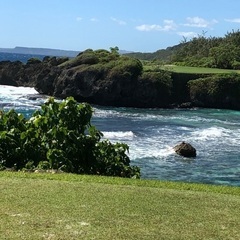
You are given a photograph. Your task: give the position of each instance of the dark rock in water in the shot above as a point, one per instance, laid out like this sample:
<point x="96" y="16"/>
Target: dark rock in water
<point x="185" y="105"/>
<point x="185" y="149"/>
<point x="35" y="97"/>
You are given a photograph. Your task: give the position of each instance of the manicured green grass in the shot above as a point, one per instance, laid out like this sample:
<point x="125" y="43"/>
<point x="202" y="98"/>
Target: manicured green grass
<point x="185" y="69"/>
<point x="68" y="206"/>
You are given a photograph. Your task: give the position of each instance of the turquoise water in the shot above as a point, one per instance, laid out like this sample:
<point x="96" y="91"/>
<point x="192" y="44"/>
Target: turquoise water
<point x="151" y="134"/>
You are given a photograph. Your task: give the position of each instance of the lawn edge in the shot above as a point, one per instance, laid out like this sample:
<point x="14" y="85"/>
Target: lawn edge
<point x="175" y="185"/>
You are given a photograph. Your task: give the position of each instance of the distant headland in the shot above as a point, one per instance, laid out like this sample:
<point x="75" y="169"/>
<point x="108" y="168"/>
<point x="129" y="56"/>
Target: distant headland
<point x="46" y="51"/>
<point x="40" y="51"/>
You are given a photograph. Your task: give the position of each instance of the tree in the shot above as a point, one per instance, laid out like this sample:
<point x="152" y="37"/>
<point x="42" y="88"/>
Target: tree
<point x="225" y="55"/>
<point x="114" y="50"/>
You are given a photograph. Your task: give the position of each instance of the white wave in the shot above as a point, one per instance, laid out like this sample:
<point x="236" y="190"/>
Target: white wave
<point x="119" y="135"/>
<point x="210" y="133"/>
<point x="184" y="128"/>
<point x="19" y="98"/>
<point x="98" y="112"/>
<point x="154" y="151"/>
<point x="164" y="152"/>
<point x="16" y="92"/>
<point x="160" y="115"/>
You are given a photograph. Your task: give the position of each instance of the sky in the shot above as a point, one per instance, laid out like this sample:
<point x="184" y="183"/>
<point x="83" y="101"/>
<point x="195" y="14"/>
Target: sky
<point x="132" y="25"/>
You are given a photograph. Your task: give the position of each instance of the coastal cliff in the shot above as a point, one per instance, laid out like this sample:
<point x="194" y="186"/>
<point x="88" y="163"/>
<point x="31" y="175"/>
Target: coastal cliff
<point x="98" y="77"/>
<point x="107" y="78"/>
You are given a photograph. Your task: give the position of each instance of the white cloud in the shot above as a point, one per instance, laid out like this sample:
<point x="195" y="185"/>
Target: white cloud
<point x="147" y="28"/>
<point x="120" y="22"/>
<point x="234" y="20"/>
<point x="199" y="22"/>
<point x="188" y="34"/>
<point x="94" y="20"/>
<point x="79" y="19"/>
<point x="168" y="26"/>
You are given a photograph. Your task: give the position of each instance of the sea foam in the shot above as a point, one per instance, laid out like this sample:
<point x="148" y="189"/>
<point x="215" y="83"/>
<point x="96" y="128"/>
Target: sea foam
<point x="210" y="133"/>
<point x="118" y="135"/>
<point x="19" y="98"/>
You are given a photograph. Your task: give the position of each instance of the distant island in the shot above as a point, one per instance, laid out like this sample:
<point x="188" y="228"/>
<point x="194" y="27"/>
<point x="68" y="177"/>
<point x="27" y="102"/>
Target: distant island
<point x="40" y="51"/>
<point x="46" y="51"/>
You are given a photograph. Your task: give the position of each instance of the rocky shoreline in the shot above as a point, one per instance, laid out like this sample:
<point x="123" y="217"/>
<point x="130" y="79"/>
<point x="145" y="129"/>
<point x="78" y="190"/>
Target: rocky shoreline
<point x="108" y="79"/>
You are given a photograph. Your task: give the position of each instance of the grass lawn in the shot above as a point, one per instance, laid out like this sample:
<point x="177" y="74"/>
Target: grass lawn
<point x="185" y="69"/>
<point x="66" y="206"/>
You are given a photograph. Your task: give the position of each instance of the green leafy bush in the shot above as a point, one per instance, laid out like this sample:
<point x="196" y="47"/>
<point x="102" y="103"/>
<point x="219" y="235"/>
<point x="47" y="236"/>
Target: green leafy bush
<point x="33" y="61"/>
<point x="126" y="67"/>
<point x="60" y="136"/>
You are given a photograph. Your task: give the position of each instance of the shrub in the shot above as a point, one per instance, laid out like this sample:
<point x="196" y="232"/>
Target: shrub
<point x="126" y="67"/>
<point x="236" y="65"/>
<point x="60" y="136"/>
<point x="33" y="61"/>
<point x="87" y="57"/>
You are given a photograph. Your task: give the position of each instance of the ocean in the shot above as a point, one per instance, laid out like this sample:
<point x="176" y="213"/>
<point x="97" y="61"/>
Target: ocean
<point x="18" y="57"/>
<point x="152" y="133"/>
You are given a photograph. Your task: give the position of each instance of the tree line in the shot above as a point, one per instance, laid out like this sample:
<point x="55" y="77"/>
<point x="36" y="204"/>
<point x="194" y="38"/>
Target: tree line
<point x="200" y="51"/>
<point x="214" y="52"/>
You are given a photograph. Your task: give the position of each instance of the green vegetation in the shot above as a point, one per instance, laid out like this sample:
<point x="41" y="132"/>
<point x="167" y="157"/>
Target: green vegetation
<point x="155" y="67"/>
<point x="33" y="61"/>
<point x="197" y="70"/>
<point x="67" y="206"/>
<point x="195" y="84"/>
<point x="108" y="64"/>
<point x="60" y="136"/>
<point x="200" y="51"/>
<point x="221" y="52"/>
<point x="160" y="55"/>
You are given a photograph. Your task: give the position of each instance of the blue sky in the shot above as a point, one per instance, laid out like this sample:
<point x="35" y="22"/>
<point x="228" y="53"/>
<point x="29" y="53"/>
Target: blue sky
<point x="135" y="25"/>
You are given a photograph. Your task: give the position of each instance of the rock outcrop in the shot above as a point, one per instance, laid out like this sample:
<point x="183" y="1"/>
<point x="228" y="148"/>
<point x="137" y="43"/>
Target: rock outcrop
<point x="98" y="77"/>
<point x="185" y="149"/>
<point x="107" y="78"/>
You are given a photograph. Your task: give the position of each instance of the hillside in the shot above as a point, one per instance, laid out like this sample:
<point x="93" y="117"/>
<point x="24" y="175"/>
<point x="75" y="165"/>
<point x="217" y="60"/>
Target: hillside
<point x="161" y="54"/>
<point x="201" y="51"/>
